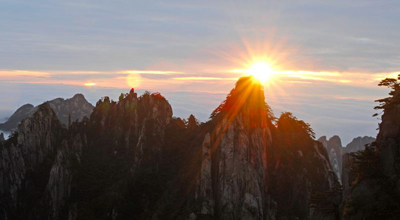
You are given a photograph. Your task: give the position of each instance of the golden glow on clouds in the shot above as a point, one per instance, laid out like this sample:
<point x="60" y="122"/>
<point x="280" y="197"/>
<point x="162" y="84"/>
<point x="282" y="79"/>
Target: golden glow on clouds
<point x="89" y="84"/>
<point x="193" y="81"/>
<point x="133" y="80"/>
<point x="159" y="72"/>
<point x="202" y="78"/>
<point x="23" y="73"/>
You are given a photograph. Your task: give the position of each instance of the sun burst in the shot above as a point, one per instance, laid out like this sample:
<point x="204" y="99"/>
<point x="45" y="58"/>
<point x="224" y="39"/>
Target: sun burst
<point x="261" y="70"/>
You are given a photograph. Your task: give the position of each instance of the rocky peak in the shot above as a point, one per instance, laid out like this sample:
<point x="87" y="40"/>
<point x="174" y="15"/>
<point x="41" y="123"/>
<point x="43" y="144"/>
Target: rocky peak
<point x="79" y="96"/>
<point x="357" y="144"/>
<point x="334" y="149"/>
<point x="21" y="113"/>
<point x="232" y="182"/>
<point x="66" y="110"/>
<point x="247" y="98"/>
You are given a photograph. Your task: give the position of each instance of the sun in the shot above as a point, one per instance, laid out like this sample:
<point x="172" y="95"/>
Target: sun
<point x="262" y="71"/>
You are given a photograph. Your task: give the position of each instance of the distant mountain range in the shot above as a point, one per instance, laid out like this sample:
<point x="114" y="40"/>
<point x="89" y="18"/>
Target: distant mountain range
<point x="73" y="109"/>
<point x="335" y="149"/>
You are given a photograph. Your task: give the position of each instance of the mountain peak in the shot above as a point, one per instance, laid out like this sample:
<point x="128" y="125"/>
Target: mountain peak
<point x="78" y="96"/>
<point x="247" y="98"/>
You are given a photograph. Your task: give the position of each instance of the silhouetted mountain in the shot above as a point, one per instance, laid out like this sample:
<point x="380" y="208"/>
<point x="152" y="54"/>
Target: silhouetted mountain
<point x="72" y="109"/>
<point x="132" y="160"/>
<point x="357" y="144"/>
<point x="21" y="113"/>
<point x="336" y="151"/>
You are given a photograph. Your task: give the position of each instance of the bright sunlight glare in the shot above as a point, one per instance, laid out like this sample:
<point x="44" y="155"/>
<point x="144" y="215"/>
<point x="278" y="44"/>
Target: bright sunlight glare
<point x="261" y="71"/>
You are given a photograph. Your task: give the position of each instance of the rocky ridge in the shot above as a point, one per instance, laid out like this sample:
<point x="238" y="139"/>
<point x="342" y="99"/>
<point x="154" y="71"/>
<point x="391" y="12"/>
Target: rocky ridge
<point x="66" y="110"/>
<point x="132" y="159"/>
<point x="357" y="144"/>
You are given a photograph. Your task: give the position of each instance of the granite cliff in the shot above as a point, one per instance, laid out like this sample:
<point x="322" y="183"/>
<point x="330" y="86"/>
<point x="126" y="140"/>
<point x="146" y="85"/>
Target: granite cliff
<point x="371" y="177"/>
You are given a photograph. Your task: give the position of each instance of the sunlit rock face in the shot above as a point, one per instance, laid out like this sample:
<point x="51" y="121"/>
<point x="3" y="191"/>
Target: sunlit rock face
<point x="232" y="181"/>
<point x="334" y="148"/>
<point x="66" y="110"/>
<point x="259" y="171"/>
<point x="233" y="177"/>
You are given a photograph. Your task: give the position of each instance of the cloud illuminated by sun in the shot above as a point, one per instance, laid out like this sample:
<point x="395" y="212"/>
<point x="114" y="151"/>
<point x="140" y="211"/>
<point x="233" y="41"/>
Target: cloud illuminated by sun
<point x="89" y="84"/>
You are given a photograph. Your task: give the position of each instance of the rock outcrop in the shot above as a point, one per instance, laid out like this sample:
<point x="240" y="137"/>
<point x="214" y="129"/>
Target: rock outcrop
<point x="233" y="178"/>
<point x="25" y="157"/>
<point x="66" y="110"/>
<point x="334" y="148"/>
<point x="374" y="192"/>
<point x="388" y="139"/>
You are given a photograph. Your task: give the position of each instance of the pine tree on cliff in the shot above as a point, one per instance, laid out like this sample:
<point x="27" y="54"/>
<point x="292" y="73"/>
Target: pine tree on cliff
<point x="247" y="96"/>
<point x="394" y="85"/>
<point x="192" y="122"/>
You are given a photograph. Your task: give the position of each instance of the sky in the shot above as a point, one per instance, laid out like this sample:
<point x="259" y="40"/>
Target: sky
<point x="327" y="56"/>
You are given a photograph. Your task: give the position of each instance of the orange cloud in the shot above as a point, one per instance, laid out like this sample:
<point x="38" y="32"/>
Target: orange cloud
<point x="89" y="84"/>
<point x="194" y="81"/>
<point x="160" y="72"/>
<point x="203" y="78"/>
<point x="22" y="73"/>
